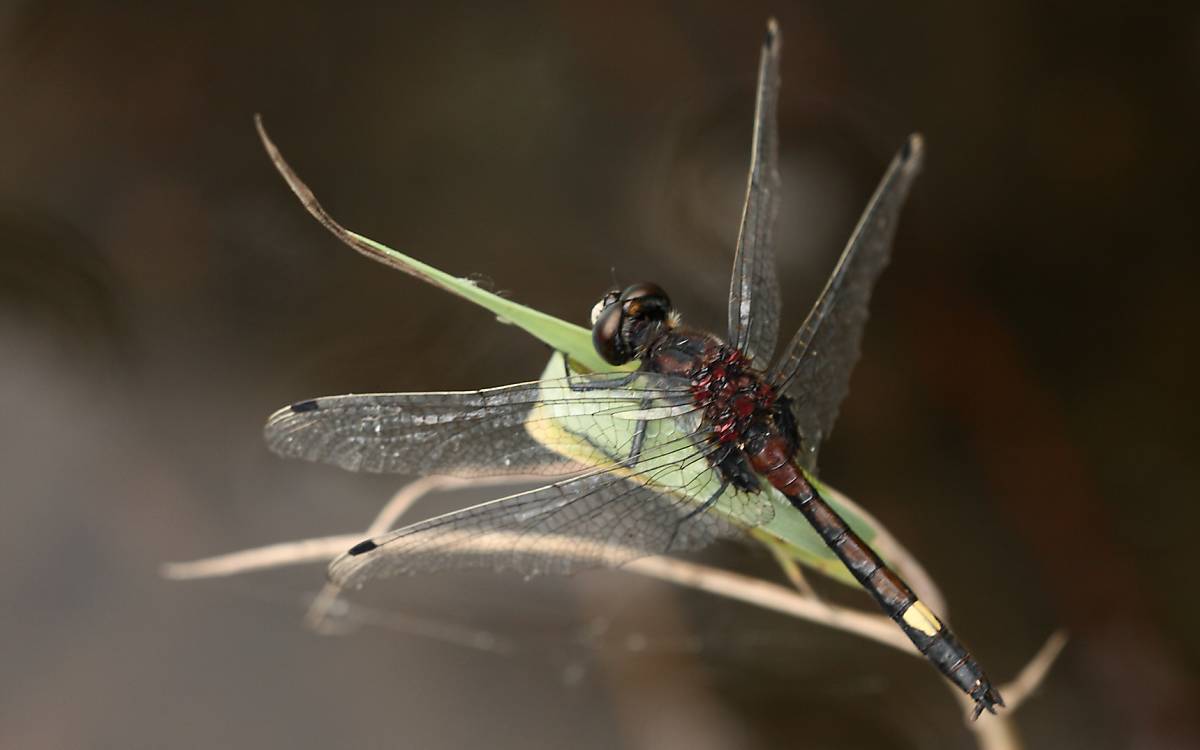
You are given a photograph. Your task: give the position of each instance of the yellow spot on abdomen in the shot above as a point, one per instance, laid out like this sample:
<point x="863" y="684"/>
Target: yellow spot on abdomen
<point x="919" y="617"/>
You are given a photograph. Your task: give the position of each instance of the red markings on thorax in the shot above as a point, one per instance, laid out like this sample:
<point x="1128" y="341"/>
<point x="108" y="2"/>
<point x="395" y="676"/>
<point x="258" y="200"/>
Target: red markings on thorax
<point x="732" y="394"/>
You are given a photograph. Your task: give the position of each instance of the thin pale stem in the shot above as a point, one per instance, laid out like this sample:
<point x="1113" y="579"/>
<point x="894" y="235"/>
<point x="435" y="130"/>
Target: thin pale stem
<point x="890" y="549"/>
<point x="792" y="570"/>
<point x="320" y="549"/>
<point x="319" y="615"/>
<point x="992" y="733"/>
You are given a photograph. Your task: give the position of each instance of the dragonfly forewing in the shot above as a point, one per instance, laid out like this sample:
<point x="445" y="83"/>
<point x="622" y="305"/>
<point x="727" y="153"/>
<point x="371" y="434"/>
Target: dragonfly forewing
<point x="462" y="433"/>
<point x="465" y="434"/>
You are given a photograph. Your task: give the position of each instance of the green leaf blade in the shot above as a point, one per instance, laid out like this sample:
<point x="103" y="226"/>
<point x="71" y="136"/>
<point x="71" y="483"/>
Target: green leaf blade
<point x="558" y="334"/>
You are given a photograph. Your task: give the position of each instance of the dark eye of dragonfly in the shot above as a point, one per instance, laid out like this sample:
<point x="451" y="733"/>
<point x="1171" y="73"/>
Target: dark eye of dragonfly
<point x="618" y="320"/>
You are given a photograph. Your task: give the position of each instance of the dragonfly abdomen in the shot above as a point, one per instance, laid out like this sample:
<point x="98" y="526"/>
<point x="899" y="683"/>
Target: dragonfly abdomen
<point x="930" y="635"/>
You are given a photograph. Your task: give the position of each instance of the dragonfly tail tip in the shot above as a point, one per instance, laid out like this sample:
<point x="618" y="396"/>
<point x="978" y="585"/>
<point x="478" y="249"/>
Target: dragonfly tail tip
<point x="987" y="698"/>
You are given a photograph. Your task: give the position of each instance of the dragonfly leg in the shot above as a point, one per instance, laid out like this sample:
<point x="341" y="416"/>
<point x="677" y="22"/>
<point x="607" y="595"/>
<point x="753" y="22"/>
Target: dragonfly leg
<point x="710" y="502"/>
<point x="602" y="386"/>
<point x="639" y="436"/>
<point x="635" y="445"/>
<point x="735" y="468"/>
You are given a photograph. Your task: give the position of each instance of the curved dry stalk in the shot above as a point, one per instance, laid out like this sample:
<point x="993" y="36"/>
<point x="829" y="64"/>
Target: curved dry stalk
<point x="993" y="733"/>
<point x="681" y="572"/>
<point x="321" y="611"/>
<point x="905" y="563"/>
<point x="318" y="617"/>
<point x="1002" y="735"/>
<point x="1031" y="676"/>
<point x="722" y="583"/>
<point x="791" y="569"/>
<point x="319" y="549"/>
<point x="410" y="493"/>
<point x="771" y="596"/>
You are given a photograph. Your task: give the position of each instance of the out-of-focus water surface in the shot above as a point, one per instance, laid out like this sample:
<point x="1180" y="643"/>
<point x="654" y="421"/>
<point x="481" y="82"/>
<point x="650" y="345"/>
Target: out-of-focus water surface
<point x="1023" y="418"/>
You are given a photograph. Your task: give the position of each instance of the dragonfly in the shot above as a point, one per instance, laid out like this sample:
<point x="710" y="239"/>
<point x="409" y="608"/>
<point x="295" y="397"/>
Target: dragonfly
<point x="675" y="445"/>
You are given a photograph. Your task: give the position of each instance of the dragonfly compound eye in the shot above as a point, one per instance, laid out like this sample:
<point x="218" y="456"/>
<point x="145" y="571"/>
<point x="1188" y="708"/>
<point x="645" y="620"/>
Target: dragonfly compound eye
<point x="608" y="335"/>
<point x="646" y="301"/>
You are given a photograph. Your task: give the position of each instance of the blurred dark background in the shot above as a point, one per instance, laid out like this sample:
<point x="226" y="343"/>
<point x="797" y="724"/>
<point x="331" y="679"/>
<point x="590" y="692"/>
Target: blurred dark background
<point x="1023" y="417"/>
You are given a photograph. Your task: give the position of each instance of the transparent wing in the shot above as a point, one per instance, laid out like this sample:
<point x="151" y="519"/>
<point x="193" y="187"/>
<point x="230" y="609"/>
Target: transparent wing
<point x="815" y="368"/>
<point x="754" y="288"/>
<point x="516" y="429"/>
<point x="600" y="519"/>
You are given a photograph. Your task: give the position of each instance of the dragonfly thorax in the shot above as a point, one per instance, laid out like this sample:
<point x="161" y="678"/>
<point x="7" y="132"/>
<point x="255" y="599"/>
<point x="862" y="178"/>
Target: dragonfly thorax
<point x="744" y="415"/>
<point x="733" y="395"/>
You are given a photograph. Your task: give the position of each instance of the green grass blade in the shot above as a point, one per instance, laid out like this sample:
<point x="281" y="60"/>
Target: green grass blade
<point x="559" y="335"/>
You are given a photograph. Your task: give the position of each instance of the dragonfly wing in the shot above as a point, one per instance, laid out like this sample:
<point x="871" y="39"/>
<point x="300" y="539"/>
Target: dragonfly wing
<point x="489" y="432"/>
<point x="815" y="368"/>
<point x="600" y="519"/>
<point x="754" y="288"/>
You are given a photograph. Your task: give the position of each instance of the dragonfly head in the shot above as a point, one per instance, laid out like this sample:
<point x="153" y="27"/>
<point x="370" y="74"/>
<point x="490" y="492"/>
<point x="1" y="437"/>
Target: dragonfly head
<point x="624" y="322"/>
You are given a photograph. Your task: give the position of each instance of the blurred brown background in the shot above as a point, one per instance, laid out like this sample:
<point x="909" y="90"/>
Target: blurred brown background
<point x="1023" y="417"/>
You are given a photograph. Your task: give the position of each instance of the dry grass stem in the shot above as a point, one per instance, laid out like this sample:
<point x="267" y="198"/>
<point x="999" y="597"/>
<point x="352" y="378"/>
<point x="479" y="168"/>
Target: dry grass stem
<point x="992" y="732"/>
